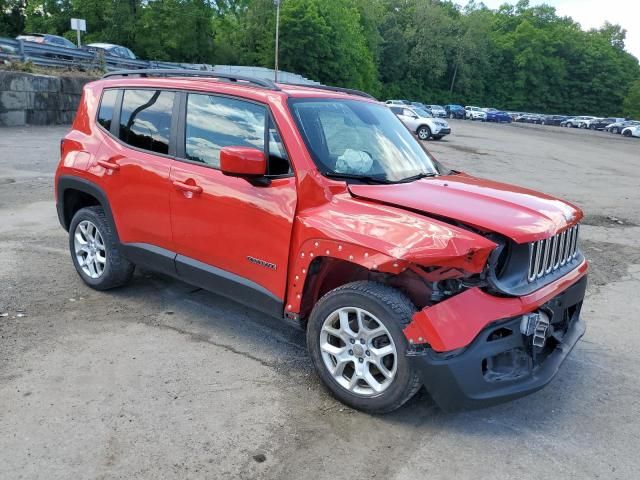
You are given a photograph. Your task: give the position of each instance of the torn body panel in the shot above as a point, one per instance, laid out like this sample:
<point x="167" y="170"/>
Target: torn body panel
<point x="395" y="239"/>
<point x="454" y="323"/>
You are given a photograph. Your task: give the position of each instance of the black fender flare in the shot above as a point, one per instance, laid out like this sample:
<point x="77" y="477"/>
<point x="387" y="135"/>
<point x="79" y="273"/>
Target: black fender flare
<point x="66" y="183"/>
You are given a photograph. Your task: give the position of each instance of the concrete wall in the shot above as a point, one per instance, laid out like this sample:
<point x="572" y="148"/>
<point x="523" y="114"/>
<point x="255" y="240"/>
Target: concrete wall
<point x="28" y="99"/>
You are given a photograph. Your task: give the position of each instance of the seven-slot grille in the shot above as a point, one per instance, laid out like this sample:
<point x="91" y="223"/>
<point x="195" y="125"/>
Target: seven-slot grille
<point x="546" y="256"/>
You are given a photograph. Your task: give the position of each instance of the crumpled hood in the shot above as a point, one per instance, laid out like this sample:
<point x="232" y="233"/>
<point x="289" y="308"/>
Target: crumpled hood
<point x="518" y="213"/>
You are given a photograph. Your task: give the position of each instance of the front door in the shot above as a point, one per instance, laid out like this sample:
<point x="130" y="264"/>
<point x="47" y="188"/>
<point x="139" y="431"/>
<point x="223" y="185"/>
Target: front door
<point x="232" y="236"/>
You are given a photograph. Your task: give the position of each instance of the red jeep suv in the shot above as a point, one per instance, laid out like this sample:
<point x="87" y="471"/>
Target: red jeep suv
<point x="316" y="205"/>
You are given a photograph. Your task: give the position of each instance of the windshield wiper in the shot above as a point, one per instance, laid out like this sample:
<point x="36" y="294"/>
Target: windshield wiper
<point x="418" y="176"/>
<point x="363" y="178"/>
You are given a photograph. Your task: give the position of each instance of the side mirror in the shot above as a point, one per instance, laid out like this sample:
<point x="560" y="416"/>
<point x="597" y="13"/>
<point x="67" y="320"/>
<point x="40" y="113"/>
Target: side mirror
<point x="242" y="162"/>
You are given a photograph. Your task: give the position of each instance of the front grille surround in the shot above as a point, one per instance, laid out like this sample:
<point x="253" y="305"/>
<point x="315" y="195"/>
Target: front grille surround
<point x="549" y="254"/>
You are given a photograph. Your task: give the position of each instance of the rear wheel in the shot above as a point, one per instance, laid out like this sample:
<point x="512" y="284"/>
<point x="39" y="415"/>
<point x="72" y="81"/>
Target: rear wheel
<point x="424" y="132"/>
<point x="451" y="115"/>
<point x="569" y="125"/>
<point x="626" y="133"/>
<point x="615" y="130"/>
<point x="95" y="251"/>
<point x="592" y="127"/>
<point x="355" y="340"/>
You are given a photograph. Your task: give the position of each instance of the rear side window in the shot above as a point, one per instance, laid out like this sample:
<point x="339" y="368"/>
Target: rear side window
<point x="107" y="105"/>
<point x="215" y="122"/>
<point x="145" y="119"/>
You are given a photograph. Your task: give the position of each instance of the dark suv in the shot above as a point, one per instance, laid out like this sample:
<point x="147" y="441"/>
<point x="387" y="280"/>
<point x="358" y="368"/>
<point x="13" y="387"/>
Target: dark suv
<point x="317" y="205"/>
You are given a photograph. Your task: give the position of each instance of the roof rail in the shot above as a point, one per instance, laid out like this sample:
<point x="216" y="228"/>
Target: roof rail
<point x="149" y="72"/>
<point x="350" y="91"/>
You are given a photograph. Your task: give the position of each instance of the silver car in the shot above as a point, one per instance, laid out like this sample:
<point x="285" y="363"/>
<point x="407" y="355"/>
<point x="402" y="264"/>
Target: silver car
<point x="421" y="122"/>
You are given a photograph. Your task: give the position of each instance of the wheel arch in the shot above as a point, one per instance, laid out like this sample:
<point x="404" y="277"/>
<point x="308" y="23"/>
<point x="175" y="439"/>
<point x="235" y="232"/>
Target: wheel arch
<point x="328" y="264"/>
<point x="75" y="193"/>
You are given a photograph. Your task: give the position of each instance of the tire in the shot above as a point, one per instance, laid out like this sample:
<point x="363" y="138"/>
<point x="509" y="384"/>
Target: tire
<point x="626" y="133"/>
<point x="115" y="270"/>
<point x="380" y="305"/>
<point x="542" y="122"/>
<point x="592" y="127"/>
<point x="615" y="130"/>
<point x="582" y="125"/>
<point x="569" y="125"/>
<point x="451" y="115"/>
<point x="423" y="132"/>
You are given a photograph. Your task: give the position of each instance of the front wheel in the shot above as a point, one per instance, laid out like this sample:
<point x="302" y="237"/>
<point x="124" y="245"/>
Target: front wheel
<point x="451" y="115"/>
<point x="358" y="348"/>
<point x="615" y="130"/>
<point x="424" y="132"/>
<point x="626" y="133"/>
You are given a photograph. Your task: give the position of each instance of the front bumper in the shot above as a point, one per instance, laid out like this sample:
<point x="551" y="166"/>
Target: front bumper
<point x="501" y="363"/>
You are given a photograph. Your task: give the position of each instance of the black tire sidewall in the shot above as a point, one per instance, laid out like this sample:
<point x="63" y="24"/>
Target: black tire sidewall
<point x="395" y="394"/>
<point x="91" y="214"/>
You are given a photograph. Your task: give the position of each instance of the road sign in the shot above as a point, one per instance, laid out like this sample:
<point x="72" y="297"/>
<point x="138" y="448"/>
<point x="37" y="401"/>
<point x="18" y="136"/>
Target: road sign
<point x="79" y="24"/>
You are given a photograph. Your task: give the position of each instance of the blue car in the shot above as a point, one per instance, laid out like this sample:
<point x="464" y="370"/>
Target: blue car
<point x="454" y="111"/>
<point x="498" y="116"/>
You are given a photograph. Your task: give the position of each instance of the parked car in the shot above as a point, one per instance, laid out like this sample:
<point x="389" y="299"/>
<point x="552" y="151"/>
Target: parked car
<point x="437" y="111"/>
<point x="421" y="122"/>
<point x="602" y="123"/>
<point x="398" y="102"/>
<point x="46" y="39"/>
<point x="498" y="116"/>
<point x="474" y="113"/>
<point x="394" y="265"/>
<point x="617" y="127"/>
<point x="631" y="131"/>
<point x="534" y="118"/>
<point x="554" y="120"/>
<point x="454" y="111"/>
<point x="420" y="105"/>
<point x="576" y="122"/>
<point x="111" y="49"/>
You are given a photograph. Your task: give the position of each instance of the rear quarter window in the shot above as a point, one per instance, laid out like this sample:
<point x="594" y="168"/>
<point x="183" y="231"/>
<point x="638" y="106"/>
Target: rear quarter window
<point x="107" y="106"/>
<point x="145" y="119"/>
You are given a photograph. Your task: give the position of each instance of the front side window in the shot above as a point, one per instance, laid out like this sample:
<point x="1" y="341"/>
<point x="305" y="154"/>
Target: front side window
<point x="107" y="105"/>
<point x="145" y="119"/>
<point x="215" y="122"/>
<point x="360" y="139"/>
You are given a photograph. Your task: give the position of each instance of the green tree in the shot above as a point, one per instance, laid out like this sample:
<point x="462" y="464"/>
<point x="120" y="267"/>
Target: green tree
<point x="632" y="101"/>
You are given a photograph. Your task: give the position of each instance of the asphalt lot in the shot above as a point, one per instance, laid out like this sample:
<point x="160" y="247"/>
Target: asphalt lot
<point x="160" y="380"/>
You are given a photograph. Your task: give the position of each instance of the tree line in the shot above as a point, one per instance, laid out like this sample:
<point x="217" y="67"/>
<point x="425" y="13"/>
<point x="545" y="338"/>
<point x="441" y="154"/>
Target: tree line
<point x="517" y="57"/>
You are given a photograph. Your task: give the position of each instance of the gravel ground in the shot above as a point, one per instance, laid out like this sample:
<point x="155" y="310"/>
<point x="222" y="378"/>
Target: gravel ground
<point x="161" y="380"/>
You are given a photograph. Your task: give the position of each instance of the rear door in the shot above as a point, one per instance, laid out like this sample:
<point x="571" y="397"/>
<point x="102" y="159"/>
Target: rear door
<point x="409" y="119"/>
<point x="134" y="162"/>
<point x="231" y="236"/>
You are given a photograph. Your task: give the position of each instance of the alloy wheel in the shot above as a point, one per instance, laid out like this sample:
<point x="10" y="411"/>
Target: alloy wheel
<point x="90" y="250"/>
<point x="358" y="351"/>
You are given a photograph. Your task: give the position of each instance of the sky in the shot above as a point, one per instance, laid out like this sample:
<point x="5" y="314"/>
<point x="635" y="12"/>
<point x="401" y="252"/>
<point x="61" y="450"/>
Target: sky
<point x="593" y="13"/>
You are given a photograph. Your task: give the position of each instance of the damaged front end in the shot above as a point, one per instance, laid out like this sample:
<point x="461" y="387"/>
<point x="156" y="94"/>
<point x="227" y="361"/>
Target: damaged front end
<point x="501" y="334"/>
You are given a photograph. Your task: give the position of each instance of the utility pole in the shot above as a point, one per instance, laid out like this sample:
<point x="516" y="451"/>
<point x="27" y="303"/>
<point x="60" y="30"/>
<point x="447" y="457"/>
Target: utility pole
<point x="275" y="78"/>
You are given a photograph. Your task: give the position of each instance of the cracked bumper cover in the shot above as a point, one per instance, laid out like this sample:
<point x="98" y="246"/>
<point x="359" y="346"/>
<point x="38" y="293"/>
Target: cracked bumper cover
<point x="457" y="333"/>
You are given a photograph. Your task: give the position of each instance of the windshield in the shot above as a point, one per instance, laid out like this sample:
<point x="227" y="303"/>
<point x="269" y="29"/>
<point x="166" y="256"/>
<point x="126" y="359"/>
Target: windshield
<point x="358" y="139"/>
<point x="422" y="113"/>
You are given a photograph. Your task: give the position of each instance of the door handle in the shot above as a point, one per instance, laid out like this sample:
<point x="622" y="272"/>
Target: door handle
<point x="108" y="165"/>
<point x="186" y="187"/>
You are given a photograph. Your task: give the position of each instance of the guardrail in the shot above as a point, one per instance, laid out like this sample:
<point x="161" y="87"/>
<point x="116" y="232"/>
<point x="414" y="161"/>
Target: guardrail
<point x="52" y="56"/>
